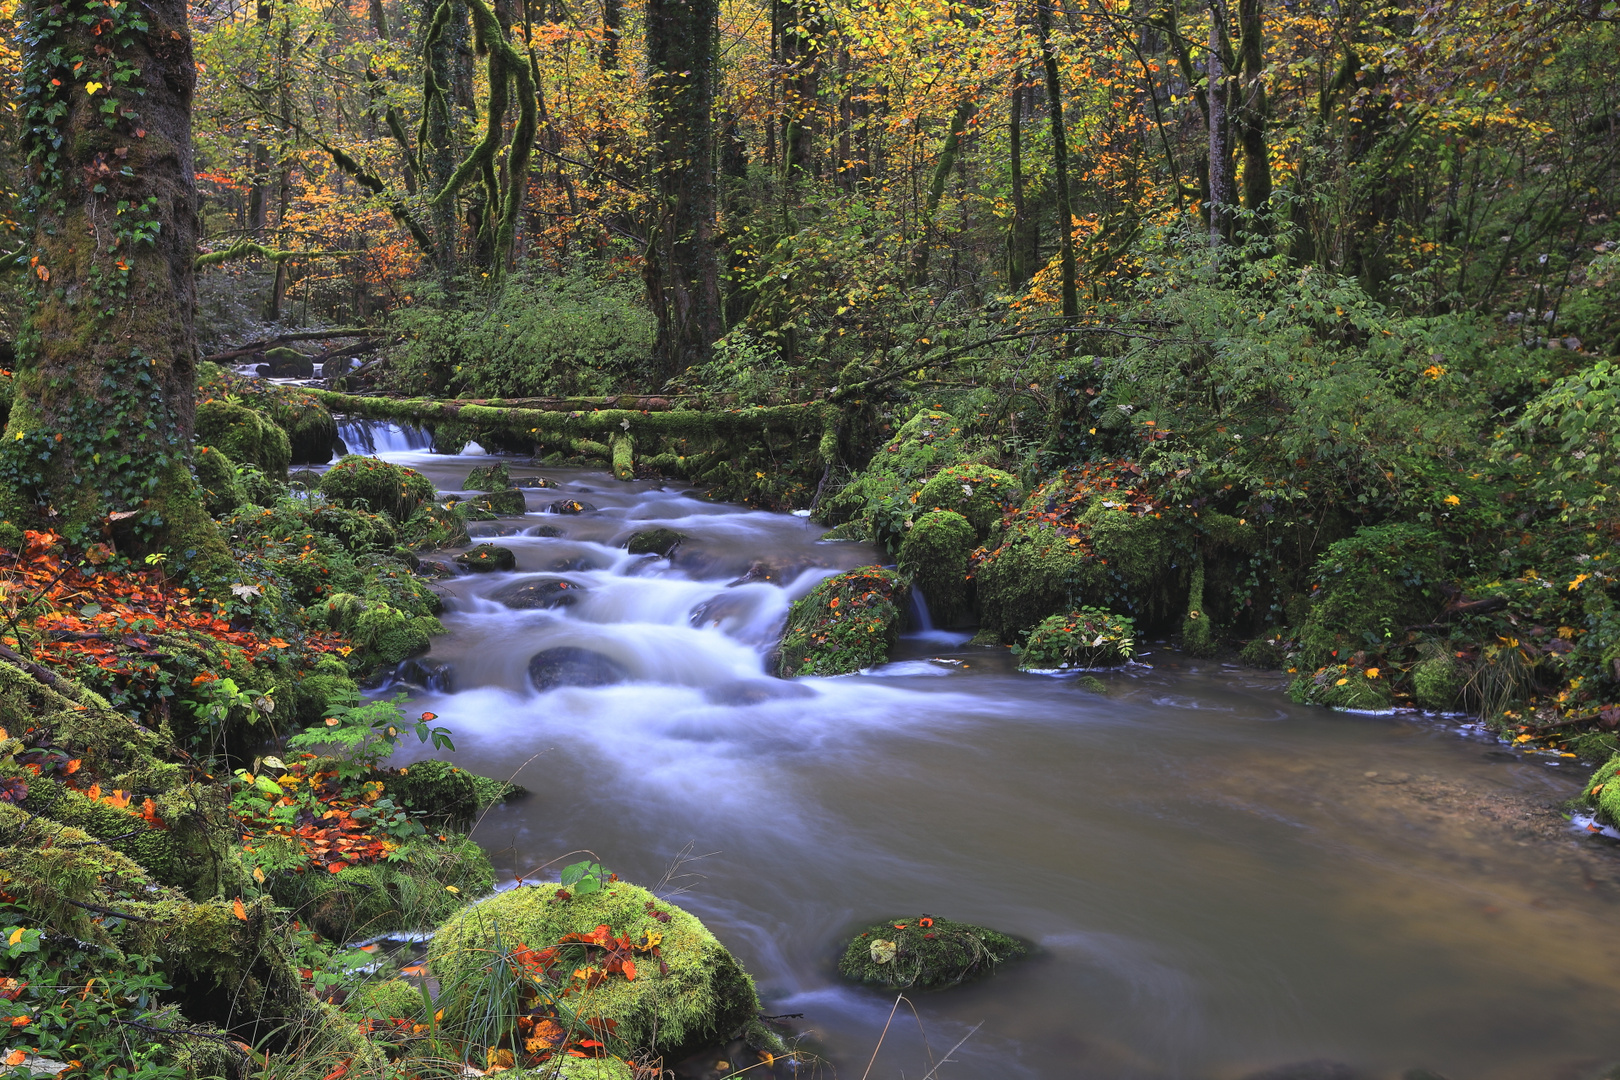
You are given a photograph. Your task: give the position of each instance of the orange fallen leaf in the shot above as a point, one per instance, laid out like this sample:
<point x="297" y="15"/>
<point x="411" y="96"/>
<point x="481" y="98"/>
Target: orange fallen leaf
<point x="238" y="909"/>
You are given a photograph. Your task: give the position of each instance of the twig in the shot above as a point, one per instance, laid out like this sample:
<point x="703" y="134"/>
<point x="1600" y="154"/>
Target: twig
<point x="931" y="1072"/>
<point x="898" y="999"/>
<point x="99" y="910"/>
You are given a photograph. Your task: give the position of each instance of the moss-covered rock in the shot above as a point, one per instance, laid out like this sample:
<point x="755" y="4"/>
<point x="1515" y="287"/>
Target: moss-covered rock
<point x="328" y="683"/>
<point x="697" y="995"/>
<point x="654" y="542"/>
<point x="1268" y="651"/>
<point x="1343" y="686"/>
<point x="386" y="635"/>
<point x="1371" y="585"/>
<point x="1197" y="628"/>
<point x="846" y="623"/>
<point x="1088" y="638"/>
<point x="1602" y="792"/>
<point x="880" y="496"/>
<point x="506" y="501"/>
<point x="245" y="435"/>
<point x="446" y="794"/>
<point x="924" y="952"/>
<point x="487" y="558"/>
<point x="216" y="475"/>
<point x="935" y="555"/>
<point x="1437" y="683"/>
<point x="371" y="484"/>
<point x="977" y="492"/>
<point x="1034" y="573"/>
<point x="496" y="477"/>
<point x="312" y="433"/>
<point x="388" y="999"/>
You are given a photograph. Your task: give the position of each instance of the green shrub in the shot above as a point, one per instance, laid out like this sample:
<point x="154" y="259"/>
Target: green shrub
<point x="1437" y="683"/>
<point x="372" y="484"/>
<point x="977" y="492"/>
<point x="924" y="952"/>
<point x="846" y="623"/>
<point x="1341" y="686"/>
<point x="1088" y="638"/>
<point x="935" y="555"/>
<point x="245" y="435"/>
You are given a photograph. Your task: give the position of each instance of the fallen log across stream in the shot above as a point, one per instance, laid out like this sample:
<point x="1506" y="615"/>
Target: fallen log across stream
<point x="614" y="433"/>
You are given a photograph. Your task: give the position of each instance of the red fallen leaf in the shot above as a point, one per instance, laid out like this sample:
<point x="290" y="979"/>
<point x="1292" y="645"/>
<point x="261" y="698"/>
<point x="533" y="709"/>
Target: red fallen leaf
<point x="13" y="790"/>
<point x="629" y="968"/>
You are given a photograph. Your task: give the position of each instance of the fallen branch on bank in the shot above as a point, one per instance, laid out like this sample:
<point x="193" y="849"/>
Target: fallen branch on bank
<point x="283" y="339"/>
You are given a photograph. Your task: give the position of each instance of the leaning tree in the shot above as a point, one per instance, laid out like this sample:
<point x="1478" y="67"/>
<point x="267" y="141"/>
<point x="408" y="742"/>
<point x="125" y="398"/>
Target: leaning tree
<point x="99" y="433"/>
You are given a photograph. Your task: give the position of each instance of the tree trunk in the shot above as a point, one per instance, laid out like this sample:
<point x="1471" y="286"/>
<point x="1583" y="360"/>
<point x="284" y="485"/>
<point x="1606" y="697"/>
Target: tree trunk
<point x="1060" y="162"/>
<point x="106" y="377"/>
<point x="1023" y="232"/>
<point x="1253" y="111"/>
<point x="1220" y="156"/>
<point x="682" y="269"/>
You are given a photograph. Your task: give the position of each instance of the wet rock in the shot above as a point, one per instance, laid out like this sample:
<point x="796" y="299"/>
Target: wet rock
<point x="755" y="692"/>
<point x="488" y="478"/>
<point x="428" y="674"/>
<point x="926" y="952"/>
<point x="658" y="542"/>
<point x="570" y="666"/>
<point x="575" y="564"/>
<point x="507" y="501"/>
<point x="286" y="364"/>
<point x="533" y="482"/>
<point x="717" y="609"/>
<point x="487" y="557"/>
<point x="544" y="531"/>
<point x="544" y="593"/>
<point x="433" y="570"/>
<point x="570" y="506"/>
<point x="1308" y="1070"/>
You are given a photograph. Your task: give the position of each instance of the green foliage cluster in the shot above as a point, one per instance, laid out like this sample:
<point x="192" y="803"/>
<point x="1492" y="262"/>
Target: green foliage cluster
<point x="1088" y="638"/>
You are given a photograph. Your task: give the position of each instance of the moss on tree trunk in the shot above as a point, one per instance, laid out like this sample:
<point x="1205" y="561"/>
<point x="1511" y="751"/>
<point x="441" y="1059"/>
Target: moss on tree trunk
<point x="106" y="361"/>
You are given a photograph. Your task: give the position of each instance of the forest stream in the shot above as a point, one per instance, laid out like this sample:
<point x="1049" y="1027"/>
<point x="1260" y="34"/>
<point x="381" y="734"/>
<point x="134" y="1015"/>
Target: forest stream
<point x="1218" y="881"/>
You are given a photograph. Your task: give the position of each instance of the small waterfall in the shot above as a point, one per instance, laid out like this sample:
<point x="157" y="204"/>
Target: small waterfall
<point x="922" y="624"/>
<point x="374" y="437"/>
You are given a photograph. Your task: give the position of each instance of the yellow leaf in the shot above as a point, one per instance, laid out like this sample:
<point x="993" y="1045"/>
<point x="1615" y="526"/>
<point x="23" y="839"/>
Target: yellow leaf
<point x="1452" y="500"/>
<point x="883" y="951"/>
<point x="91" y="88"/>
<point x="1372" y="673"/>
<point x="16" y="936"/>
<point x="258" y="874"/>
<point x="1341" y="682"/>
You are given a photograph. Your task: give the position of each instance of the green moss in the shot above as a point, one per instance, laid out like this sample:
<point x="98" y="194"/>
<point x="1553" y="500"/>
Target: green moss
<point x="494" y="477"/>
<point x="508" y="501"/>
<point x="1602" y="792"/>
<point x="447" y="794"/>
<point x="328" y="683"/>
<point x="977" y="492"/>
<point x="1197" y="629"/>
<point x="1088" y="638"/>
<point x="487" y="557"/>
<point x="1340" y="686"/>
<point x="1437" y="683"/>
<point x="1370" y="586"/>
<point x="245" y="435"/>
<point x="1091" y="684"/>
<point x="1136" y="549"/>
<point x="216" y="475"/>
<point x="880" y="495"/>
<point x="935" y="555"/>
<point x="1034" y="573"/>
<point x="410" y="893"/>
<point x="387" y="1000"/>
<point x="846" y="623"/>
<point x="654" y="542"/>
<point x="849" y="530"/>
<point x="370" y="484"/>
<point x="386" y="635"/>
<point x="704" y="998"/>
<point x="924" y="952"/>
<point x="1267" y="652"/>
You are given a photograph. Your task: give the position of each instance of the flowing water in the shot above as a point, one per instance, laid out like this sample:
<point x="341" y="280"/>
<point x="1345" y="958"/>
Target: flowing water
<point x="1217" y="881"/>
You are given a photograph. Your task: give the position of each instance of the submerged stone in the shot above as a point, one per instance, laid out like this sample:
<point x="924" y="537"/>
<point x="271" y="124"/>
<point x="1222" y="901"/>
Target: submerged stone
<point x="755" y="692"/>
<point x="925" y="952"/>
<point x="570" y="506"/>
<point x="658" y="542"/>
<point x="428" y="674"/>
<point x="569" y="665"/>
<point x="533" y="482"/>
<point x="543" y="593"/>
<point x="487" y="557"/>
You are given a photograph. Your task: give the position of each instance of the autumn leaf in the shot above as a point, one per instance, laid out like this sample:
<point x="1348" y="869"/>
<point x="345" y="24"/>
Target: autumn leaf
<point x="238" y="909"/>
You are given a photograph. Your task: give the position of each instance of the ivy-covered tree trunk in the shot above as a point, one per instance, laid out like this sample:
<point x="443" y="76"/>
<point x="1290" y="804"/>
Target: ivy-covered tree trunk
<point x="100" y="431"/>
<point x="682" y="269"/>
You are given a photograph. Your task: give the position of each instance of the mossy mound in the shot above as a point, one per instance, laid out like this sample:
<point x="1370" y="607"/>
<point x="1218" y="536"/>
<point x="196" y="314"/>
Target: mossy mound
<point x="1602" y="792"/>
<point x="1268" y="652"/>
<point x="487" y="558"/>
<point x="371" y="484"/>
<point x="1371" y="585"/>
<point x="977" y="492"/>
<point x="506" y="501"/>
<point x="446" y="794"/>
<point x="846" y="623"/>
<point x="698" y="996"/>
<point x="1088" y="638"/>
<point x="496" y="477"/>
<point x="1197" y="628"/>
<point x="880" y="496"/>
<point x="216" y="475"/>
<point x="654" y="542"/>
<point x="1437" y="683"/>
<point x="925" y="952"/>
<point x="390" y="999"/>
<point x="1034" y="573"/>
<point x="935" y="555"/>
<point x="312" y="433"/>
<point x="1341" y="686"/>
<point x="245" y="435"/>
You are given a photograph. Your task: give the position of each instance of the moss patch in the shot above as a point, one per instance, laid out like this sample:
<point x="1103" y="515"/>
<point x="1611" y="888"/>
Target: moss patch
<point x="446" y="794"/>
<point x="494" y="477"/>
<point x="704" y="997"/>
<point x="487" y="558"/>
<point x="1035" y="572"/>
<point x="1341" y="686"/>
<point x="935" y="555"/>
<point x="924" y="952"/>
<point x="977" y="492"/>
<point x="846" y="623"/>
<point x="222" y="491"/>
<point x="370" y="484"/>
<point x="1437" y="683"/>
<point x="245" y="435"/>
<point x="654" y="542"/>
<point x="1369" y="586"/>
<point x="1086" y="638"/>
<point x="506" y="501"/>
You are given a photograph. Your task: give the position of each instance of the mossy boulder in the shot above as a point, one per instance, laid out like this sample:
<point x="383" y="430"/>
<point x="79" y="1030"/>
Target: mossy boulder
<point x="383" y="634"/>
<point x="1197" y="627"/>
<point x="1035" y="572"/>
<point x="389" y="999"/>
<point x="369" y="483"/>
<point x="977" y="492"/>
<point x="935" y="554"/>
<point x="496" y="477"/>
<point x="1370" y="586"/>
<point x="446" y="794"/>
<point x="695" y="994"/>
<point x="925" y="952"/>
<point x="880" y="496"/>
<point x="1088" y="638"/>
<point x="1602" y="792"/>
<point x="487" y="558"/>
<point x="506" y="501"/>
<point x="1343" y="686"/>
<point x="328" y="683"/>
<point x="654" y="542"/>
<point x="1437" y="683"/>
<point x="846" y="623"/>
<point x="1268" y="652"/>
<point x="216" y="475"/>
<point x="312" y="433"/>
<point x="246" y="436"/>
